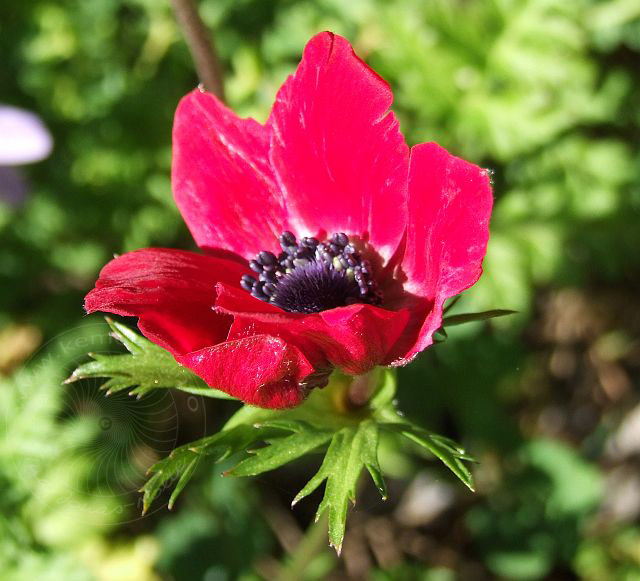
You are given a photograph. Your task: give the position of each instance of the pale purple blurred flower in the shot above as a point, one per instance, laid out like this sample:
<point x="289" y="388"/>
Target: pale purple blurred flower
<point x="23" y="139"/>
<point x="13" y="186"/>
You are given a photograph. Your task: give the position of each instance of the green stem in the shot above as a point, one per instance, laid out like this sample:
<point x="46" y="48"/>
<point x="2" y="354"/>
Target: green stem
<point x="314" y="540"/>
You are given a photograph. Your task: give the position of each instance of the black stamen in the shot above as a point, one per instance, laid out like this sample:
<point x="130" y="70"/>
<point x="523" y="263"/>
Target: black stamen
<point x="266" y="258"/>
<point x="287" y="239"/>
<point x="247" y="282"/>
<point x="340" y="239"/>
<point x="312" y="276"/>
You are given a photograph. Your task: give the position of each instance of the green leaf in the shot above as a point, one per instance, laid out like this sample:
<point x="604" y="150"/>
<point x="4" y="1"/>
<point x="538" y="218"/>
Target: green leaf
<point x="181" y="464"/>
<point x="182" y="482"/>
<point x="451" y="303"/>
<point x="302" y="440"/>
<point x="370" y="435"/>
<point x="178" y="466"/>
<point x="351" y="450"/>
<point x="146" y="367"/>
<point x="440" y="335"/>
<point x="236" y="436"/>
<point x="351" y="443"/>
<point x="449" y="452"/>
<point x="471" y="317"/>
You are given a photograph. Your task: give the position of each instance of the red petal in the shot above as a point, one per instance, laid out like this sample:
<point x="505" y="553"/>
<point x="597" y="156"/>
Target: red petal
<point x="354" y="338"/>
<point x="260" y="370"/>
<point x="449" y="207"/>
<point x="171" y="291"/>
<point x="337" y="150"/>
<point x="359" y="337"/>
<point x="221" y="178"/>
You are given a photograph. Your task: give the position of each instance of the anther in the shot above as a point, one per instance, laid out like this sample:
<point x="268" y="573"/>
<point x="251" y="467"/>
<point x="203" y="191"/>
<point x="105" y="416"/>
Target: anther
<point x="340" y="239"/>
<point x="266" y="258"/>
<point x="247" y="282"/>
<point x="257" y="291"/>
<point x="312" y="276"/>
<point x="267" y="276"/>
<point x="287" y="239"/>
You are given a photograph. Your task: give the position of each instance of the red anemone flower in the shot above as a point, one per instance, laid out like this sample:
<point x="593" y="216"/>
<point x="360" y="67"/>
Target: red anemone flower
<point x="327" y="242"/>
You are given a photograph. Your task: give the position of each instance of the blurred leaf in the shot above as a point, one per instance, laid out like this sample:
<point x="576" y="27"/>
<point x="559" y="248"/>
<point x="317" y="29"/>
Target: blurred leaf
<point x="537" y="515"/>
<point x="576" y="485"/>
<point x="52" y="502"/>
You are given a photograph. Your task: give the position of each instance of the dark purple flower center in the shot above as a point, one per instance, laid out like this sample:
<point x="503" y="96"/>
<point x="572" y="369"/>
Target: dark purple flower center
<point x="311" y="276"/>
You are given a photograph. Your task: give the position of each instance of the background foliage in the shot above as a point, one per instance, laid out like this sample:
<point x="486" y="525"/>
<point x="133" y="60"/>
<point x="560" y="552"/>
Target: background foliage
<point x="543" y="92"/>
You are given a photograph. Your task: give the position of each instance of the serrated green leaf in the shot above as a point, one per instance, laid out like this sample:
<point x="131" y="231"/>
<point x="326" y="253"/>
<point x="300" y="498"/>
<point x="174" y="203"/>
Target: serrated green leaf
<point x="471" y="317"/>
<point x="146" y="367"/>
<point x="370" y="434"/>
<point x="302" y="440"/>
<point x="181" y="463"/>
<point x="182" y="482"/>
<point x="351" y="450"/>
<point x="352" y="445"/>
<point x="236" y="436"/>
<point x="165" y="473"/>
<point x="451" y="454"/>
<point x="458" y="450"/>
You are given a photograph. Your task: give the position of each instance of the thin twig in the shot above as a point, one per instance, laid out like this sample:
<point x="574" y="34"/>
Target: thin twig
<point x="200" y="42"/>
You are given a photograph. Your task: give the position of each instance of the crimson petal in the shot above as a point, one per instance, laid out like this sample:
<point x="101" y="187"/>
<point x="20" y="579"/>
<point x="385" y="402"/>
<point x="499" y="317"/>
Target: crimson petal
<point x="221" y="179"/>
<point x="339" y="156"/>
<point x="260" y="370"/>
<point x="171" y="291"/>
<point x="449" y="207"/>
<point x="354" y="338"/>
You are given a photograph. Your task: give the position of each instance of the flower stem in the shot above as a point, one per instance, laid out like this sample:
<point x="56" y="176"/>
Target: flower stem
<point x="201" y="46"/>
<point x="361" y="389"/>
<point x="314" y="540"/>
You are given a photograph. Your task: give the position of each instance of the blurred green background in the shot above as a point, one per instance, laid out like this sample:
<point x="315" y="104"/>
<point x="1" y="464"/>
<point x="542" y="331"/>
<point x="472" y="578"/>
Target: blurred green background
<point x="544" y="92"/>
